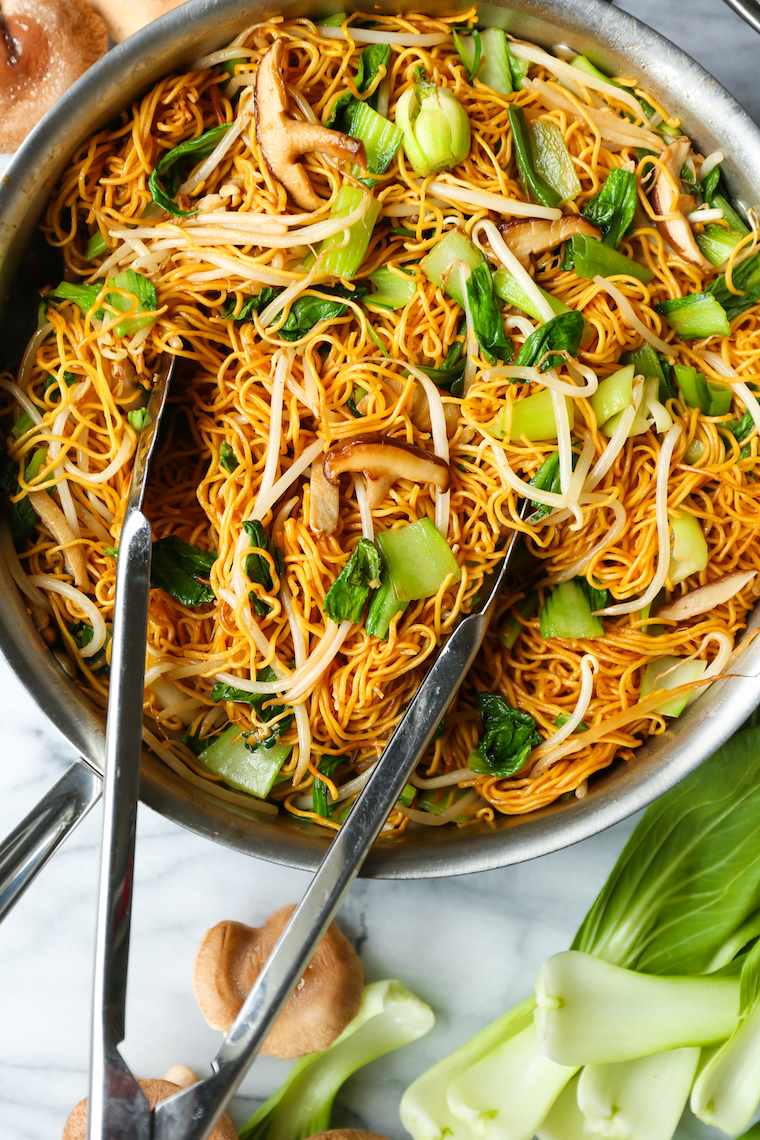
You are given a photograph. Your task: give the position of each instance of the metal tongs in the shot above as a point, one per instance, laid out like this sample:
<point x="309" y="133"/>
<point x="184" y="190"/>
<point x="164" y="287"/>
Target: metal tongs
<point x="118" y="1108"/>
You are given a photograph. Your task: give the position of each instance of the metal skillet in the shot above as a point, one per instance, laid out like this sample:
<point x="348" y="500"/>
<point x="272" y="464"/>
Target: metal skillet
<point x="619" y="44"/>
<point x="118" y="1108"/>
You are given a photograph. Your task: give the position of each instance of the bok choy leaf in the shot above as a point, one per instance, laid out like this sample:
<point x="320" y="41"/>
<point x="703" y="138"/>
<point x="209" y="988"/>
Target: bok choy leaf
<point x="168" y="175"/>
<point x="182" y="571"/>
<point x="559" y="335"/>
<point x="345" y="599"/>
<point x="257" y="567"/>
<point x="509" y="736"/>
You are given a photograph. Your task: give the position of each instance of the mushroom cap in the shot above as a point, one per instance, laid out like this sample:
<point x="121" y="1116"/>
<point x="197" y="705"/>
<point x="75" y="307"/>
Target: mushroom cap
<point x="347" y="1134"/>
<point x="124" y="18"/>
<point x="44" y="46"/>
<point x="525" y="236"/>
<point x="75" y="1127"/>
<point x="667" y="202"/>
<point x="230" y="958"/>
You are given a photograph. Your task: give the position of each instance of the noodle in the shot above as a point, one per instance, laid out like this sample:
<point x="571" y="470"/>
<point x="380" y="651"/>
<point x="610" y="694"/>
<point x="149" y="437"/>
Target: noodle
<point x="260" y="401"/>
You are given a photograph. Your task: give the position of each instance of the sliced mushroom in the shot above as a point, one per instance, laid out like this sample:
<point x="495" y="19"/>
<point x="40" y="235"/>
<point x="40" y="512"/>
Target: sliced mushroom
<point x="54" y="519"/>
<point x="326" y="999"/>
<point x="75" y="1127"/>
<point x="668" y="202"/>
<point x="347" y="1134"/>
<point x="126" y="390"/>
<point x="536" y="235"/>
<point x="324" y="502"/>
<point x="419" y="413"/>
<point x="45" y="45"/>
<point x="707" y="597"/>
<point x="283" y="140"/>
<point x="123" y="20"/>
<point x="383" y="460"/>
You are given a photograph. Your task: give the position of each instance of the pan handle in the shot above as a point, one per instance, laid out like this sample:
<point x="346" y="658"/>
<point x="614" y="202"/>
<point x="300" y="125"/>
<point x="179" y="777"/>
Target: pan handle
<point x="749" y="10"/>
<point x="39" y="835"/>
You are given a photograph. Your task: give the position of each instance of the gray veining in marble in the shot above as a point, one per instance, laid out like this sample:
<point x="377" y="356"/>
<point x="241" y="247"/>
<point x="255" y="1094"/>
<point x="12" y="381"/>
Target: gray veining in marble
<point x="471" y="947"/>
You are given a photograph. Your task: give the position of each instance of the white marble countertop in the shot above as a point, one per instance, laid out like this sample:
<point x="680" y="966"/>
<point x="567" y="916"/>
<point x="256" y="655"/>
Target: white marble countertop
<point x="470" y="947"/>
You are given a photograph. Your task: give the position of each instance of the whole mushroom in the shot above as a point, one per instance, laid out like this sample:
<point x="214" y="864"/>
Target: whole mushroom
<point x="327" y="998"/>
<point x="124" y="20"/>
<point x="45" y="45"/>
<point x="75" y="1127"/>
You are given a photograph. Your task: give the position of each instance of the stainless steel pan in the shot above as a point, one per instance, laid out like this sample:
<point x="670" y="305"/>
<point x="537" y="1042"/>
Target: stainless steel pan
<point x="616" y="42"/>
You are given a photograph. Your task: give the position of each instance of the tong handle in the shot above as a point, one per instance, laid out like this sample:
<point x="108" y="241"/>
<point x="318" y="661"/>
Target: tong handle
<point x="193" y="1113"/>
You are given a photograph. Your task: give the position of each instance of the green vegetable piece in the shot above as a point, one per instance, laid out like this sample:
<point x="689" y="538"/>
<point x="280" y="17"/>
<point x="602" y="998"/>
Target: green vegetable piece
<point x="694" y="451"/>
<point x="382" y="609"/>
<point x="509" y="737"/>
<point x="646" y="362"/>
<point x="697" y="316"/>
<point x="341" y="260"/>
<point x="84" y="296"/>
<point x="96" y="246"/>
<point x="138" y="418"/>
<point x="166" y="178"/>
<point x="717" y="242"/>
<point x="182" y="571"/>
<point x="393" y="289"/>
<point x="546" y="479"/>
<point x="371" y="60"/>
<point x="407" y="796"/>
<point x="568" y="611"/>
<point x="561" y="334"/>
<point x="253" y="305"/>
<point x="439" y="800"/>
<point x="740" y="429"/>
<point x="138" y="288"/>
<point x="435" y="126"/>
<point x="552" y="159"/>
<point x="534" y="184"/>
<point x="487" y="320"/>
<point x="22" y="425"/>
<point x="229" y="66"/>
<point x="613" y="395"/>
<point x="263" y="704"/>
<point x="345" y="599"/>
<point x="308" y="311"/>
<point x="591" y="258"/>
<point x="506" y="287"/>
<point x="613" y="207"/>
<point x="496" y="66"/>
<point x="252" y="770"/>
<point x="418" y="559"/>
<point x="470" y="48"/>
<point x="258" y="568"/>
<point x="228" y="460"/>
<point x="532" y="418"/>
<point x="319" y="791"/>
<point x="437" y="265"/>
<point x="511" y="628"/>
<point x="381" y="138"/>
<point x="591" y="1012"/>
<point x="746" y="277"/>
<point x="389" y="1017"/>
<point x="644" y="1097"/>
<point x="688" y="551"/>
<point x="669" y="673"/>
<point x="712" y="399"/>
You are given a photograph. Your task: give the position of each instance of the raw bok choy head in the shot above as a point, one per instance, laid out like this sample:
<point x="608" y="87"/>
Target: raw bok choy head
<point x="682" y="901"/>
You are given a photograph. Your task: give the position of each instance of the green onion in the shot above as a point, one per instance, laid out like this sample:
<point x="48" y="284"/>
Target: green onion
<point x="393" y="288"/>
<point x="552" y="159"/>
<point x="694" y="317"/>
<point x="533" y="183"/>
<point x="568" y="610"/>
<point x="249" y="769"/>
<point x="592" y="258"/>
<point x="418" y="560"/>
<point x="344" y="260"/>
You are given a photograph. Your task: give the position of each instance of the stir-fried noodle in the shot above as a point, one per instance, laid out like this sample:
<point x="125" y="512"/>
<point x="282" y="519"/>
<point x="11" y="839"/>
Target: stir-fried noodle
<point x="258" y="398"/>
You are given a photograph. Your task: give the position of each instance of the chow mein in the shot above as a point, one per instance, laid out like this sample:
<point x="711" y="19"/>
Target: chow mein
<point x="415" y="274"/>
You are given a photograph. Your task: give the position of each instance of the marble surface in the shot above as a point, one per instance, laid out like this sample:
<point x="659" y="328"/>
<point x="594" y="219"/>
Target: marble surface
<point x="470" y="946"/>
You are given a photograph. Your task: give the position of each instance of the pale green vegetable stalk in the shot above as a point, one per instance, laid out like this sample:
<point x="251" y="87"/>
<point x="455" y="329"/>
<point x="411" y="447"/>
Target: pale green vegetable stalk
<point x="637" y="1100"/>
<point x="727" y="1091"/>
<point x="389" y="1016"/>
<point x="590" y="1012"/>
